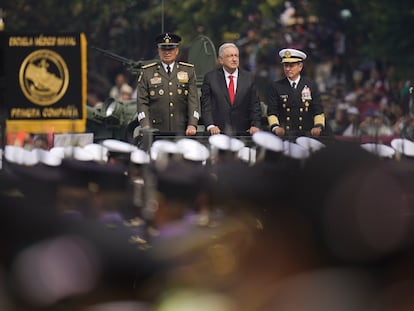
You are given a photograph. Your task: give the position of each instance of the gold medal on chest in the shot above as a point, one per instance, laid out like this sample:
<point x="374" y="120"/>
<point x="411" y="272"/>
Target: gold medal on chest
<point x="156" y="80"/>
<point x="182" y="76"/>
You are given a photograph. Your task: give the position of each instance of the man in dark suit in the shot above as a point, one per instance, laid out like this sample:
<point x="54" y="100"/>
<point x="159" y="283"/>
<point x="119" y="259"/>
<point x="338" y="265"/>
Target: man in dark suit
<point x="294" y="106"/>
<point x="167" y="91"/>
<point x="236" y="111"/>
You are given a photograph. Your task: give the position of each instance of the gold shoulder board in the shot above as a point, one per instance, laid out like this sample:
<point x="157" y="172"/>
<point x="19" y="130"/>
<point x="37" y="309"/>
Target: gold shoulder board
<point x="148" y="65"/>
<point x="186" y="64"/>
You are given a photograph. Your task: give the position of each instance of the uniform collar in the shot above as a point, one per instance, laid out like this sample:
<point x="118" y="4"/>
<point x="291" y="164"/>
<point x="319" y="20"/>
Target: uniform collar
<point x="296" y="81"/>
<point x="171" y="66"/>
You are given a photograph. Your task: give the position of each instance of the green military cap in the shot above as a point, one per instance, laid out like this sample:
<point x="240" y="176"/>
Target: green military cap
<point x="167" y="41"/>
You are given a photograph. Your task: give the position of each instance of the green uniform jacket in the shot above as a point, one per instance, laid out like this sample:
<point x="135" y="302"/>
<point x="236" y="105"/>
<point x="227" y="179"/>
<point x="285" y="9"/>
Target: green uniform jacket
<point x="168" y="103"/>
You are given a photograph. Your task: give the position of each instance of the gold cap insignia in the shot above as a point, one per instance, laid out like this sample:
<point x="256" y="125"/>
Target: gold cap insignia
<point x="167" y="38"/>
<point x="288" y="54"/>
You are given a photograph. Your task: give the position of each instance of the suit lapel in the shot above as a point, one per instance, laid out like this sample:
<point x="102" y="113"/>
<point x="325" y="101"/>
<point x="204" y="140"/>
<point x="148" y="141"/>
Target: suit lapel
<point x="240" y="87"/>
<point x="223" y="84"/>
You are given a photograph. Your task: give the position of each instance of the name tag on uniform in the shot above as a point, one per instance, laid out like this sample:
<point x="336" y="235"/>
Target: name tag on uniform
<point x="182" y="76"/>
<point x="156" y="80"/>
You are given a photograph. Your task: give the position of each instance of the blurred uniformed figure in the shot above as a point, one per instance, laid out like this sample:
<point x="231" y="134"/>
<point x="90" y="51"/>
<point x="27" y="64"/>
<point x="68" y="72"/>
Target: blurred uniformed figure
<point x="119" y="152"/>
<point x="178" y="189"/>
<point x="167" y="92"/>
<point x="294" y="104"/>
<point x="224" y="148"/>
<point x="138" y="174"/>
<point x="74" y="200"/>
<point x="109" y="187"/>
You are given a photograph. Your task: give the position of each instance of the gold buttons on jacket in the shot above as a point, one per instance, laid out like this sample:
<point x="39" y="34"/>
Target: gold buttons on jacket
<point x="170" y="93"/>
<point x="171" y="104"/>
<point x="300" y="127"/>
<point x="300" y="118"/>
<point x="287" y="118"/>
<point x="171" y="115"/>
<point x="288" y="109"/>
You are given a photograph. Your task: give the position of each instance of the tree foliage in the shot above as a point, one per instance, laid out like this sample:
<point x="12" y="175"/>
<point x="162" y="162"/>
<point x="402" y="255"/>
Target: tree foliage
<point x="376" y="28"/>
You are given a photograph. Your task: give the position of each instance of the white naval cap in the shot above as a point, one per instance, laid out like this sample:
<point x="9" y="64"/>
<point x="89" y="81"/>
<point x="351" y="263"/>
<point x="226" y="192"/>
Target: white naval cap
<point x="268" y="141"/>
<point x="80" y="154"/>
<point x="46" y="157"/>
<point x="292" y="55"/>
<point x="99" y="152"/>
<point x="295" y="151"/>
<point x="408" y="149"/>
<point x="140" y="157"/>
<point x="58" y="151"/>
<point x="225" y="142"/>
<point x="115" y="145"/>
<point x="193" y="150"/>
<point x="247" y="154"/>
<point x="75" y="152"/>
<point x="14" y="154"/>
<point x="381" y="150"/>
<point x="403" y="146"/>
<point x="310" y="143"/>
<point x="163" y="147"/>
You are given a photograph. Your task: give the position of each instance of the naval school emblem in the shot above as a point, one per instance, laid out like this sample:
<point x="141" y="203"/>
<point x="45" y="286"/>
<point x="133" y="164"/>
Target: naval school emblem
<point x="44" y="77"/>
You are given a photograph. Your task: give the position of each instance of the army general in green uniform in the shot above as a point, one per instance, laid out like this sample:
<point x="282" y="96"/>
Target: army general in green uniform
<point x="167" y="92"/>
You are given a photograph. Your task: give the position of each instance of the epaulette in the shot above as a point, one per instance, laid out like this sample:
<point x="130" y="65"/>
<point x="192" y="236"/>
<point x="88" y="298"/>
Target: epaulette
<point x="186" y="64"/>
<point x="148" y="65"/>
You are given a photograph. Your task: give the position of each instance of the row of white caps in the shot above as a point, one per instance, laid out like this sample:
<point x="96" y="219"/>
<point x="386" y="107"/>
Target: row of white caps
<point x="90" y="152"/>
<point x="401" y="146"/>
<point x="301" y="149"/>
<point x="189" y="149"/>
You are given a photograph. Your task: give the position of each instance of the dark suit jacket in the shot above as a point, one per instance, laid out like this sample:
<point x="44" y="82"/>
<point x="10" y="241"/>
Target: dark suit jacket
<point x="216" y="108"/>
<point x="293" y="110"/>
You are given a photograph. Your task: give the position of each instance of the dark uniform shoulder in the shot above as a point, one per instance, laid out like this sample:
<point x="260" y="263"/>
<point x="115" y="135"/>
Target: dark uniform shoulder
<point x="186" y="64"/>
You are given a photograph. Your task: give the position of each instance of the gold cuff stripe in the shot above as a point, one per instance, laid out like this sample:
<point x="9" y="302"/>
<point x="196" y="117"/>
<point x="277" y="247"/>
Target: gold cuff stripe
<point x="273" y="120"/>
<point x="319" y="119"/>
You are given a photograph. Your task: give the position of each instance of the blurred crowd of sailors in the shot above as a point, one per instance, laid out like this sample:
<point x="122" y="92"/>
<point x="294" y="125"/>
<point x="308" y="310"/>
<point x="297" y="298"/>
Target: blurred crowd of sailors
<point x="231" y="223"/>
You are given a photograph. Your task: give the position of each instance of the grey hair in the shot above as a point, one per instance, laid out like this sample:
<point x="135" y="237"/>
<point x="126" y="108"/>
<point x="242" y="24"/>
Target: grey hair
<point x="225" y="46"/>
